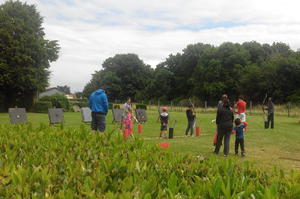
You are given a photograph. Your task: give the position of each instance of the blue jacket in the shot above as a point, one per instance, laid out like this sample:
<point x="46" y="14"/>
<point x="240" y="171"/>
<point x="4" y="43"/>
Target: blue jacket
<point x="239" y="131"/>
<point x="98" y="102"/>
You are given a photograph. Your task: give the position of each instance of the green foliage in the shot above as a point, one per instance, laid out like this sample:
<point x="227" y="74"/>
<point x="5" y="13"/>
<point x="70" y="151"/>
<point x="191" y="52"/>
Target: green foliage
<point x="42" y="106"/>
<point x="123" y="75"/>
<point x="58" y="101"/>
<point x="117" y="106"/>
<point x="110" y="106"/>
<point x="141" y="106"/>
<point x="38" y="162"/>
<point x="25" y="54"/>
<point x="65" y="89"/>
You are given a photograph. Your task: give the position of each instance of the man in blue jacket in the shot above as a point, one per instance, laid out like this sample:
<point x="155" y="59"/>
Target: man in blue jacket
<point x="99" y="106"/>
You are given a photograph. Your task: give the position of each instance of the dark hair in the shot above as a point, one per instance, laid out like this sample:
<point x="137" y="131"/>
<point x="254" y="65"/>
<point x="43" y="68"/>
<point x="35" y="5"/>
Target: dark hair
<point x="190" y="106"/>
<point x="224" y="96"/>
<point x="237" y="121"/>
<point x="241" y="97"/>
<point x="226" y="103"/>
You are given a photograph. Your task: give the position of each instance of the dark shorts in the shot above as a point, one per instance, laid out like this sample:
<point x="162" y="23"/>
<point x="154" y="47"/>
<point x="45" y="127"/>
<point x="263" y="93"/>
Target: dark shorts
<point x="98" y="122"/>
<point x="164" y="127"/>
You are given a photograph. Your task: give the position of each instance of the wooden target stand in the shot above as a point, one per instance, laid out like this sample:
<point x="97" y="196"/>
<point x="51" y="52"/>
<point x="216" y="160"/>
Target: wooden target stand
<point x="17" y="115"/>
<point x="56" y="116"/>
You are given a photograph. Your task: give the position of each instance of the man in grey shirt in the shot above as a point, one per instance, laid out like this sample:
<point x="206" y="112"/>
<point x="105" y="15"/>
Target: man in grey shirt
<point x="270" y="108"/>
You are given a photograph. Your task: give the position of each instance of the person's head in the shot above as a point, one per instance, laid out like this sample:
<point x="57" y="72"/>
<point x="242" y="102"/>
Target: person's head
<point x="237" y="121"/>
<point x="164" y="109"/>
<point x="226" y="103"/>
<point x="270" y="99"/>
<point x="241" y="97"/>
<point x="190" y="106"/>
<point x="128" y="100"/>
<point x="224" y="96"/>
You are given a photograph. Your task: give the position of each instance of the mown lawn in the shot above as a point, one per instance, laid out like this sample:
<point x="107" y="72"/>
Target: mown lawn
<point x="279" y="146"/>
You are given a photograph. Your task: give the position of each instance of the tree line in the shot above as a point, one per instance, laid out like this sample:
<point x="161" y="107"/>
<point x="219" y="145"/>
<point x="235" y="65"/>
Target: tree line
<point x="205" y="72"/>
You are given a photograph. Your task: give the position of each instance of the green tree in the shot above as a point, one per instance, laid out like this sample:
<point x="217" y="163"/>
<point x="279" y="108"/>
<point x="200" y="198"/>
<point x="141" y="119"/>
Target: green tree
<point x="65" y="89"/>
<point x="25" y="54"/>
<point x="122" y="76"/>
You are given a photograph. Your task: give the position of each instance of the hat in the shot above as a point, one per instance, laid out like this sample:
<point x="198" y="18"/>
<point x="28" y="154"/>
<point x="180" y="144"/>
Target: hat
<point x="164" y="108"/>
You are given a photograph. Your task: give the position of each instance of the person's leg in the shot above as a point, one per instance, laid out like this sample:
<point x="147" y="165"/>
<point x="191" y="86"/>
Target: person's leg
<point x="101" y="122"/>
<point x="272" y="120"/>
<point x="219" y="141"/>
<point x="242" y="146"/>
<point x="269" y="120"/>
<point x="187" y="128"/>
<point x="226" y="141"/>
<point x="192" y="127"/>
<point x="93" y="123"/>
<point x="236" y="146"/>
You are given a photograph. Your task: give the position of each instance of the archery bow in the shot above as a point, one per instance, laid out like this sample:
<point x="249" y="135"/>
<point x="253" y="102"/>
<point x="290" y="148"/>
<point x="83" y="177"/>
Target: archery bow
<point x="194" y="111"/>
<point x="263" y="108"/>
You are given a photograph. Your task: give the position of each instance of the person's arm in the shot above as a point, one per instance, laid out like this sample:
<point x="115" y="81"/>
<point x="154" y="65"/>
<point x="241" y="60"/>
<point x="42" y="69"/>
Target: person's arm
<point x="105" y="104"/>
<point x="218" y="117"/>
<point x="90" y="102"/>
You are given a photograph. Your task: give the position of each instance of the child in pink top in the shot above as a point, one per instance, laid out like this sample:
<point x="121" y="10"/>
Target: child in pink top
<point x="128" y="121"/>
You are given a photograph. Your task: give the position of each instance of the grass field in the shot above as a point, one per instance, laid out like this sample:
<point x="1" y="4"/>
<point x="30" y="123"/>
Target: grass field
<point x="279" y="146"/>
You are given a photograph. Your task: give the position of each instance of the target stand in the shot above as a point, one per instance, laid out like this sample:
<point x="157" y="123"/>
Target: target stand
<point x="17" y="115"/>
<point x="56" y="115"/>
<point x="86" y="114"/>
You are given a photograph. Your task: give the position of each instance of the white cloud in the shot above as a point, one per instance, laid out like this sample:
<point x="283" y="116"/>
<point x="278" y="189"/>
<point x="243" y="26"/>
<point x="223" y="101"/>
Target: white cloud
<point x="93" y="30"/>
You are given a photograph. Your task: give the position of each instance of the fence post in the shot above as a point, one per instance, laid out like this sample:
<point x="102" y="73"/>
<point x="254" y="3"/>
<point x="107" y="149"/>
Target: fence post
<point x="171" y="106"/>
<point x="251" y="106"/>
<point x="205" y="106"/>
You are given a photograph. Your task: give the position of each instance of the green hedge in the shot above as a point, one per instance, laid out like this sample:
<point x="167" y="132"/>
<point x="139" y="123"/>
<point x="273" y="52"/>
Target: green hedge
<point x="43" y="162"/>
<point x="117" y="106"/>
<point x="58" y="101"/>
<point x="141" y="106"/>
<point x="42" y="106"/>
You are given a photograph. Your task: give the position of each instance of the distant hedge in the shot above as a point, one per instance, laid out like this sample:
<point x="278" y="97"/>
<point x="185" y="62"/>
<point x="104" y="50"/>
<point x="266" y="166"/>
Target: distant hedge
<point x="58" y="101"/>
<point x="141" y="106"/>
<point x="117" y="106"/>
<point x="42" y="106"/>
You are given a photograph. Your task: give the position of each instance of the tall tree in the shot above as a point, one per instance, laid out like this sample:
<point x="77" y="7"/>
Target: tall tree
<point x="66" y="89"/>
<point x="122" y="76"/>
<point x="25" y="54"/>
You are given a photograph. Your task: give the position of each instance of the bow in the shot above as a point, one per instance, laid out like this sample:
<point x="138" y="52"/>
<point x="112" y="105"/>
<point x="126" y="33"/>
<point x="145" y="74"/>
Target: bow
<point x="262" y="106"/>
<point x="193" y="110"/>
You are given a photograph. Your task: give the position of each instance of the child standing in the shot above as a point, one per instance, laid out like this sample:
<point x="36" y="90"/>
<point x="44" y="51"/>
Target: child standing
<point x="239" y="136"/>
<point x="128" y="121"/>
<point x="191" y="120"/>
<point x="164" y="118"/>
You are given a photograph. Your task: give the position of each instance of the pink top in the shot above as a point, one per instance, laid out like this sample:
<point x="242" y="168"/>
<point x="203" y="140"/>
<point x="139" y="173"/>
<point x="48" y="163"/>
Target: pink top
<point x="128" y="122"/>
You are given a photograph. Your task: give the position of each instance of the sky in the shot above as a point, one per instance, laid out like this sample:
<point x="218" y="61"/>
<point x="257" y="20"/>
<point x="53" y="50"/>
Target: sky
<point x="90" y="31"/>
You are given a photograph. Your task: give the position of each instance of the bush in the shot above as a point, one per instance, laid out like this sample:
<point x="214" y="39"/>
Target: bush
<point x="42" y="106"/>
<point x="58" y="101"/>
<point x="117" y="106"/>
<point x="72" y="164"/>
<point x="110" y="105"/>
<point x="141" y="106"/>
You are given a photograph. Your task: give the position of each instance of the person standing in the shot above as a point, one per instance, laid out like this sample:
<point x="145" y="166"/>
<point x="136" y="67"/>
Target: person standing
<point x="191" y="120"/>
<point x="224" y="121"/>
<point x="241" y="109"/>
<point x="220" y="103"/>
<point x="98" y="104"/>
<point x="164" y="120"/>
<point x="270" y="108"/>
<point x="127" y="105"/>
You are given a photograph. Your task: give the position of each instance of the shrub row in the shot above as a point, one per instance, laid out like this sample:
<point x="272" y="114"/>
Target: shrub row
<point x="47" y="162"/>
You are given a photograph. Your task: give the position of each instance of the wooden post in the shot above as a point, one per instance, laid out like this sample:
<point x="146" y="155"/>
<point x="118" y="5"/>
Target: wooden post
<point x="251" y="106"/>
<point x="205" y="106"/>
